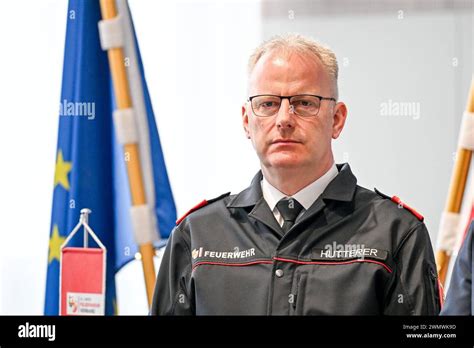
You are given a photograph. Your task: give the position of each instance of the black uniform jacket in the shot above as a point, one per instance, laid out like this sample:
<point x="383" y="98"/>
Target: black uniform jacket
<point x="353" y="252"/>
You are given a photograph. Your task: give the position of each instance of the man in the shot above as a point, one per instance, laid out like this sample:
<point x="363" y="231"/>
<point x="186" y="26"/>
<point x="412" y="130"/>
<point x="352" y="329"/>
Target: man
<point x="460" y="296"/>
<point x="303" y="238"/>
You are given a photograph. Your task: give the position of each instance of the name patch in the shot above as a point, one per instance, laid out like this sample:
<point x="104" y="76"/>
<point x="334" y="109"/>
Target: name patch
<point x="350" y="254"/>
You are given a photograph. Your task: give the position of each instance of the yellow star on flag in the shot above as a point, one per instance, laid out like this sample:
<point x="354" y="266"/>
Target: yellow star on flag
<point x="62" y="170"/>
<point x="55" y="243"/>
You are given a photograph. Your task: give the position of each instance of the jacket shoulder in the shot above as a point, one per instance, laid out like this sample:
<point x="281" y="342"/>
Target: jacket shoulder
<point x="200" y="205"/>
<point x="401" y="204"/>
<point x="393" y="203"/>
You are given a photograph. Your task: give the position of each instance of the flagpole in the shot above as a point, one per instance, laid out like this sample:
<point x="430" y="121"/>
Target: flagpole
<point x="456" y="191"/>
<point x="131" y="150"/>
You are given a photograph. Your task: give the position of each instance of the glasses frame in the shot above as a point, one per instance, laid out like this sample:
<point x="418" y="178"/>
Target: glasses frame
<point x="289" y="100"/>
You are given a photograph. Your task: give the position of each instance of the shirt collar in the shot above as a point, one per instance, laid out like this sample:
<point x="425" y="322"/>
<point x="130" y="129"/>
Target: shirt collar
<point x="306" y="196"/>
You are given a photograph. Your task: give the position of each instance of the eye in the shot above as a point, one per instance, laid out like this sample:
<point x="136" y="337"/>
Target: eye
<point x="265" y="105"/>
<point x="304" y="103"/>
<point x="268" y="104"/>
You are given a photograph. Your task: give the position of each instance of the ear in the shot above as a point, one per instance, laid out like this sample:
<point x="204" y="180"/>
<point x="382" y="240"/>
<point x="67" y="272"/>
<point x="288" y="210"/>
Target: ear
<point x="339" y="119"/>
<point x="245" y="120"/>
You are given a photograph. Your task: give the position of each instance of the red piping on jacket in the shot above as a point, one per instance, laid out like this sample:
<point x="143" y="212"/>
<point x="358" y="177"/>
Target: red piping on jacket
<point x="407" y="207"/>
<point x="231" y="264"/>
<point x="201" y="204"/>
<point x="292" y="261"/>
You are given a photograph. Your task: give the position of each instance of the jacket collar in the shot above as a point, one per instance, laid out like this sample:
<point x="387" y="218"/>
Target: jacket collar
<point x="250" y="196"/>
<point x="342" y="189"/>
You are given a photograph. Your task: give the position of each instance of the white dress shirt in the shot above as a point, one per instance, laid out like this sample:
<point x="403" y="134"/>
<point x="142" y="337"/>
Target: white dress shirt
<point x="306" y="196"/>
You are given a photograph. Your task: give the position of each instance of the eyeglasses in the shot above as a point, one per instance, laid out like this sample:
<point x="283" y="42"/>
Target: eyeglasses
<point x="305" y="105"/>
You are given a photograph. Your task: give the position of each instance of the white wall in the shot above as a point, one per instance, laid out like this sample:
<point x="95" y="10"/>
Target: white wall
<point x="199" y="49"/>
<point x="31" y="57"/>
<point x="399" y="57"/>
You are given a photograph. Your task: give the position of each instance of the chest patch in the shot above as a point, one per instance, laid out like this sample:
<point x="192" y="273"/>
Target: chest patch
<point x="330" y="254"/>
<point x="236" y="253"/>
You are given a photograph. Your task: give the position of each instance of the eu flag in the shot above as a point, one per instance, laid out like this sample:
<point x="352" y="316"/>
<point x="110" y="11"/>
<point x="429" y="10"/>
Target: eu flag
<point x="90" y="170"/>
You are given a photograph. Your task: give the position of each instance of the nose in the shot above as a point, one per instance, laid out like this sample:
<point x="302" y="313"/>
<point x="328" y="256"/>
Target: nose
<point x="285" y="118"/>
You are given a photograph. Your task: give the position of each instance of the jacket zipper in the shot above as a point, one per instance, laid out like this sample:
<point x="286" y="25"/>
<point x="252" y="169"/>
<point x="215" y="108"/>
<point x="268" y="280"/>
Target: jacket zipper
<point x="295" y="292"/>
<point x="297" y="295"/>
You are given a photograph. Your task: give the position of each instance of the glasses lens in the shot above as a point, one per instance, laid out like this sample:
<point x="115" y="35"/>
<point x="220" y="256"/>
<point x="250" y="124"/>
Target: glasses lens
<point x="265" y="106"/>
<point x="305" y="106"/>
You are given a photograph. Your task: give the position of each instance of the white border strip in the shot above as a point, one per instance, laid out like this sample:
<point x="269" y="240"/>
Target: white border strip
<point x="448" y="231"/>
<point x="466" y="133"/>
<point x="110" y="33"/>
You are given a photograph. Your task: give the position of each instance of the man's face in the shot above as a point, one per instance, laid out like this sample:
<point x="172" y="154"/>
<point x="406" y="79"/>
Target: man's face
<point x="287" y="140"/>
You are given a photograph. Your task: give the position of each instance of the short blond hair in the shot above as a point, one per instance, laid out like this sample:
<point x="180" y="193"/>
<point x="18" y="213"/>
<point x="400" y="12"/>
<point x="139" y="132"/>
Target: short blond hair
<point x="300" y="44"/>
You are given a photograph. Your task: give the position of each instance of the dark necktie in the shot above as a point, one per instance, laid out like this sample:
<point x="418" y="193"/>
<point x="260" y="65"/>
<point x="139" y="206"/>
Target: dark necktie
<point x="289" y="209"/>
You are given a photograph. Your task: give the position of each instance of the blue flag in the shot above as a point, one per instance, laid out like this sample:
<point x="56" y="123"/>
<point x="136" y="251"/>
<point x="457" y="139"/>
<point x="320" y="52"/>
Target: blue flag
<point x="90" y="170"/>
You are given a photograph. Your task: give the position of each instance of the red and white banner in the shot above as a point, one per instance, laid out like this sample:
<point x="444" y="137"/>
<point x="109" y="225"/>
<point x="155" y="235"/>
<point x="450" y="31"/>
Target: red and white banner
<point x="82" y="281"/>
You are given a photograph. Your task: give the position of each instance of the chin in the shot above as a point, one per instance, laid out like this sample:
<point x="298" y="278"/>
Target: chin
<point x="285" y="162"/>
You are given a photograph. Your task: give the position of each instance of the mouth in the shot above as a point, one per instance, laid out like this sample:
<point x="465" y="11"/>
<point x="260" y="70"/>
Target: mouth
<point x="284" y="142"/>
